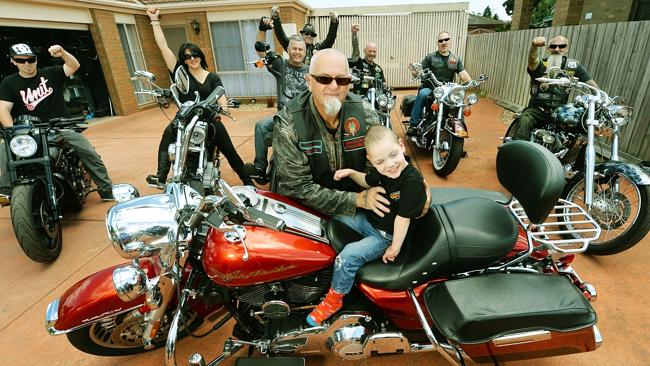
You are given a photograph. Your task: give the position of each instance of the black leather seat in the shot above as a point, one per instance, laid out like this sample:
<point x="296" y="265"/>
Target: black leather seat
<point x="482" y="308"/>
<point x="454" y="237"/>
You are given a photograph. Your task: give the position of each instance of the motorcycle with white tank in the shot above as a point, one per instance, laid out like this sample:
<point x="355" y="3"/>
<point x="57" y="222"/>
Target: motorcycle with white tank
<point x="614" y="192"/>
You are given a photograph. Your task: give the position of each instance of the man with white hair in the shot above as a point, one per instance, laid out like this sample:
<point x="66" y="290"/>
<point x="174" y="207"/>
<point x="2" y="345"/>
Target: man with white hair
<point x="321" y="131"/>
<point x="545" y="98"/>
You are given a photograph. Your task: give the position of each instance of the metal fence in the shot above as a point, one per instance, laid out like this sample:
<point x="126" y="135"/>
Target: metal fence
<point x="617" y="55"/>
<point x="402" y="37"/>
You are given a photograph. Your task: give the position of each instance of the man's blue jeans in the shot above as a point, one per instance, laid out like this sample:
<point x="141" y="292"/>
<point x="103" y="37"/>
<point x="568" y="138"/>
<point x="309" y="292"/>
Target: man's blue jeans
<point x="356" y="254"/>
<point x="418" y="106"/>
<point x="263" y="136"/>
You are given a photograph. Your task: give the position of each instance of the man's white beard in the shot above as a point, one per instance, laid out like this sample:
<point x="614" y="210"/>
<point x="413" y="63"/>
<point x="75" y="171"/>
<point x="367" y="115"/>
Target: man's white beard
<point x="554" y="60"/>
<point x="332" y="106"/>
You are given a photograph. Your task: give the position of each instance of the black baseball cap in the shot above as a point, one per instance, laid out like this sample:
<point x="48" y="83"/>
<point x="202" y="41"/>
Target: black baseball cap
<point x="21" y="49"/>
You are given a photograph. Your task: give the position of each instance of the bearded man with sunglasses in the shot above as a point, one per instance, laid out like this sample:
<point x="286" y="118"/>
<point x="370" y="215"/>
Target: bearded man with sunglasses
<point x="39" y="92"/>
<point x="545" y="98"/>
<point x="321" y="131"/>
<point x="444" y="65"/>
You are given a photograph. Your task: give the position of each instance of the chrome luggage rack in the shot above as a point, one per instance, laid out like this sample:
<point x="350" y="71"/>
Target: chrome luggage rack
<point x="567" y="219"/>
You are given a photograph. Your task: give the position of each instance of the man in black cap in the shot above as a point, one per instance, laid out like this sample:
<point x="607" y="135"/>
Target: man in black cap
<point x="308" y="33"/>
<point x="39" y="92"/>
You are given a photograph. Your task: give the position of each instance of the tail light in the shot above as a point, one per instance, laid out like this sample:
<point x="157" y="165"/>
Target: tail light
<point x="434" y="107"/>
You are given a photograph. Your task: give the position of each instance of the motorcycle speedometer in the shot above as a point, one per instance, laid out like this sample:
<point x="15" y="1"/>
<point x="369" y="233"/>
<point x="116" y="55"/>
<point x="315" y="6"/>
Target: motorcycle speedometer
<point x="198" y="134"/>
<point x="23" y="146"/>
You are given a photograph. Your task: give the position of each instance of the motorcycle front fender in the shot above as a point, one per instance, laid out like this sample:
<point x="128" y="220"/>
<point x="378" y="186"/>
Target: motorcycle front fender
<point x="634" y="172"/>
<point x="90" y="300"/>
<point x="459" y="129"/>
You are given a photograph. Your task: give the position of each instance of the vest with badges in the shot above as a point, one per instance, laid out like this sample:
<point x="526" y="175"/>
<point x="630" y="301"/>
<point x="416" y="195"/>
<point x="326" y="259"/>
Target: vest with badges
<point x="351" y="135"/>
<point x="444" y="69"/>
<point x="551" y="96"/>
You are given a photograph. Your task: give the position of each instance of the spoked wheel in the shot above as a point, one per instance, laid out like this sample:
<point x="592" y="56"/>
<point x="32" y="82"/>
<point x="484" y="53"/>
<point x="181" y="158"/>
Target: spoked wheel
<point x="122" y="334"/>
<point x="447" y="153"/>
<point x="620" y="207"/>
<point x="37" y="231"/>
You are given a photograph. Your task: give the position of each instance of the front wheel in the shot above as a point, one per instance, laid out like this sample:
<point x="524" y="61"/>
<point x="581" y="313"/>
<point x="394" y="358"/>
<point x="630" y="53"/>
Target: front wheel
<point x="619" y="206"/>
<point x="121" y="334"/>
<point x="37" y="231"/>
<point x="447" y="153"/>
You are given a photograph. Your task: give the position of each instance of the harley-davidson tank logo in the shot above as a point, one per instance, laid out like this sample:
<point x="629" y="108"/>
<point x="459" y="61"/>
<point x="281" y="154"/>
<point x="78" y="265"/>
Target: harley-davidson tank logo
<point x="239" y="275"/>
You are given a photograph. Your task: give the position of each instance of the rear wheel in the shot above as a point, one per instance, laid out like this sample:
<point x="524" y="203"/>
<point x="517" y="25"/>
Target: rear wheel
<point x="447" y="153"/>
<point x="121" y="334"/>
<point x="620" y="207"/>
<point x="37" y="231"/>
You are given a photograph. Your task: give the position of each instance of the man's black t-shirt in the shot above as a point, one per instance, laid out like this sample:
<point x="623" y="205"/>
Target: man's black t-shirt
<point x="40" y="96"/>
<point x="444" y="67"/>
<point x="368" y="69"/>
<point x="211" y="82"/>
<point x="290" y="79"/>
<point x="406" y="195"/>
<point x="550" y="96"/>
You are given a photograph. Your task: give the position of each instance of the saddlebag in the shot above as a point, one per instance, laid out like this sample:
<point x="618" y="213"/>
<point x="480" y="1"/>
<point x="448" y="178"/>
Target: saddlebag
<point x="513" y="316"/>
<point x="407" y="105"/>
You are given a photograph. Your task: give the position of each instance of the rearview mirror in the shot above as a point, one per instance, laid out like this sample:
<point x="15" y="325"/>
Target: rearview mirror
<point x="233" y="103"/>
<point x="182" y="80"/>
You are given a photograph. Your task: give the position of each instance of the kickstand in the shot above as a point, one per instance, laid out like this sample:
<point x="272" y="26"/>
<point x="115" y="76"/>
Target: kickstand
<point x="464" y="155"/>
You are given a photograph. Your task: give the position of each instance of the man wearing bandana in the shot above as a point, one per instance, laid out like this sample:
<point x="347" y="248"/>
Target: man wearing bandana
<point x="545" y="98"/>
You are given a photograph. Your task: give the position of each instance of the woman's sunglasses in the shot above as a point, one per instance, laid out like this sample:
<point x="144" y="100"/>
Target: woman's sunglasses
<point x="30" y="60"/>
<point x="188" y="56"/>
<point x="327" y="80"/>
<point x="554" y="46"/>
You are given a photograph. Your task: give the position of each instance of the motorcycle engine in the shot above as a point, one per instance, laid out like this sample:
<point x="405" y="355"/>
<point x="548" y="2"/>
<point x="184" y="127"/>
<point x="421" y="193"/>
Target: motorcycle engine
<point x="550" y="140"/>
<point x="277" y="299"/>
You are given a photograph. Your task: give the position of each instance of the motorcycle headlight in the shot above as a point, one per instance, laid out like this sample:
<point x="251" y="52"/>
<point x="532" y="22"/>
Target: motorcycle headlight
<point x="457" y="95"/>
<point x="23" y="146"/>
<point x="198" y="134"/>
<point x="141" y="226"/>
<point x="382" y="100"/>
<point x="618" y="114"/>
<point x="390" y="105"/>
<point x="472" y="99"/>
<point x="438" y="93"/>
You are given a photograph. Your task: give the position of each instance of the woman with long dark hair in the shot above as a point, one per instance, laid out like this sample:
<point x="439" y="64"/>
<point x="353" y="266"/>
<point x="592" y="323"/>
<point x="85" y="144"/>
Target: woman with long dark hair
<point x="192" y="59"/>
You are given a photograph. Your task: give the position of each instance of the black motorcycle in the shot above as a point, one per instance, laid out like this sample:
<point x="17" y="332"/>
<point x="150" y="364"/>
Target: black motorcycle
<point x="193" y="161"/>
<point x="47" y="180"/>
<point x="379" y="95"/>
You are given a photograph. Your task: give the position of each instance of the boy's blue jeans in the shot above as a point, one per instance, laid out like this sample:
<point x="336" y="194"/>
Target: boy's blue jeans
<point x="356" y="254"/>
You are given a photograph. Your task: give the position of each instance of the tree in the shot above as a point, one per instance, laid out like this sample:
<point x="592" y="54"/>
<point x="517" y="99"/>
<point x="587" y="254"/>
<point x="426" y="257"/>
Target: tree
<point x="509" y="5"/>
<point x="543" y="9"/>
<point x="487" y="13"/>
<point x="495" y="16"/>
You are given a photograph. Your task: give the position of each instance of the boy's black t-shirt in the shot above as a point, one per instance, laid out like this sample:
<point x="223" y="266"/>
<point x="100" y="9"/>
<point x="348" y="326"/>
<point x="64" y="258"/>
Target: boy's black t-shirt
<point x="40" y="96"/>
<point x="406" y="194"/>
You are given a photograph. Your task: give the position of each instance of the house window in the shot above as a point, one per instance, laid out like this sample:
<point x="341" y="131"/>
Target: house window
<point x="134" y="59"/>
<point x="233" y="43"/>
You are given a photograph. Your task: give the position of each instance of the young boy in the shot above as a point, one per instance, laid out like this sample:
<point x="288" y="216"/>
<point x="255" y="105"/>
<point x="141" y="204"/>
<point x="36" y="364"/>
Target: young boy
<point x="382" y="235"/>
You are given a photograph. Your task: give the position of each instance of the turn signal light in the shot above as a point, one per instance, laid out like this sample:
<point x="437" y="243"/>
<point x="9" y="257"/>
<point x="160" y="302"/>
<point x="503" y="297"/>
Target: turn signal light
<point x="467" y="112"/>
<point x="434" y="107"/>
<point x="259" y="63"/>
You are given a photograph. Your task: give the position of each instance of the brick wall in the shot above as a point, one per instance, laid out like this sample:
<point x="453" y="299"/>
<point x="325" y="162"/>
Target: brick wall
<point x="152" y="55"/>
<point x="606" y="11"/>
<point x="288" y="15"/>
<point x="567" y="12"/>
<point x="203" y="38"/>
<point x="111" y="56"/>
<point x="521" y="14"/>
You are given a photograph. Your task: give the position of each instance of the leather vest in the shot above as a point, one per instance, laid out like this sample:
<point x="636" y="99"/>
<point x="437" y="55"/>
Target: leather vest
<point x="350" y="137"/>
<point x="551" y="97"/>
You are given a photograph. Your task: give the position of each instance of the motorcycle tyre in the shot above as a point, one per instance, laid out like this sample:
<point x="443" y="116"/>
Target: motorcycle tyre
<point x="455" y="154"/>
<point x="636" y="232"/>
<point x="82" y="340"/>
<point x="33" y="240"/>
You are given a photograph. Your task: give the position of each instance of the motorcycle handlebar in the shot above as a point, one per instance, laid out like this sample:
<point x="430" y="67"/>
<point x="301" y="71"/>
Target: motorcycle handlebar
<point x="574" y="83"/>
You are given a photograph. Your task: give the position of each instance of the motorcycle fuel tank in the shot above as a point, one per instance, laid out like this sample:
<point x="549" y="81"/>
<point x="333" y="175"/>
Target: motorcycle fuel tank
<point x="272" y="256"/>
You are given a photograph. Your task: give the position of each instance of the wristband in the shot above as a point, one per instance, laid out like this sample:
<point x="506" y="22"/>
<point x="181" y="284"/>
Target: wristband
<point x="154" y="22"/>
<point x="365" y="199"/>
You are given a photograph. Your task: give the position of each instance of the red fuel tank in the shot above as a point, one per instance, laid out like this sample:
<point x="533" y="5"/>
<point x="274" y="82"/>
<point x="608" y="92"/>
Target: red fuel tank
<point x="273" y="256"/>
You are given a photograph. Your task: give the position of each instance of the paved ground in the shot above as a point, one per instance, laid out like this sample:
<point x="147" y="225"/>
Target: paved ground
<point x="128" y="146"/>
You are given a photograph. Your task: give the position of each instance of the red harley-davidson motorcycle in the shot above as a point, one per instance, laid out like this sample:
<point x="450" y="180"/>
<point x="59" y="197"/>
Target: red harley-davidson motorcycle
<point x="481" y="277"/>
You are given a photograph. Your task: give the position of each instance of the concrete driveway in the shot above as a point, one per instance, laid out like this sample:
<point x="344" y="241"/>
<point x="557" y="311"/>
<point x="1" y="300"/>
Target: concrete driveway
<point x="128" y="146"/>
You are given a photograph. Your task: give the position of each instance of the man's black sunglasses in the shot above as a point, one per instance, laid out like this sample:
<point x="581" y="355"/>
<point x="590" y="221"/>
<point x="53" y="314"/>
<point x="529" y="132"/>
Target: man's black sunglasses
<point x="444" y="40"/>
<point x="327" y="80"/>
<point x="190" y="55"/>
<point x="308" y="34"/>
<point x="30" y="60"/>
<point x="554" y="46"/>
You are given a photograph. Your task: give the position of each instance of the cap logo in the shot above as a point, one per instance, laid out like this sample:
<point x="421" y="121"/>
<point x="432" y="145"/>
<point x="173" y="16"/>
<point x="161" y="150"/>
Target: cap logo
<point x="21" y="48"/>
